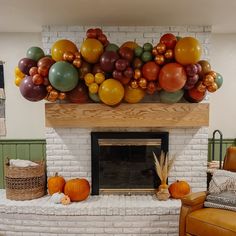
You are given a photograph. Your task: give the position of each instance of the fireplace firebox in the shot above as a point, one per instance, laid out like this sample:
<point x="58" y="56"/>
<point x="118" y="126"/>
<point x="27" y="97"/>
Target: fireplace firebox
<point x="122" y="162"/>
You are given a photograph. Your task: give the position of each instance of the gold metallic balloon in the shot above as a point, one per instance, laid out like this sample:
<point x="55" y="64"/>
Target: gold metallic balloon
<point x="137" y="74"/>
<point x="161" y="48"/>
<point x="53" y="94"/>
<point x="77" y="55"/>
<point x="154" y="52"/>
<point x="134" y="84"/>
<point x="159" y="59"/>
<point x="68" y="56"/>
<point x="169" y="54"/>
<point x="77" y="63"/>
<point x="62" y="96"/>
<point x="49" y="88"/>
<point x="213" y="74"/>
<point x="212" y="88"/>
<point x="142" y="83"/>
<point x="208" y="80"/>
<point x="200" y="87"/>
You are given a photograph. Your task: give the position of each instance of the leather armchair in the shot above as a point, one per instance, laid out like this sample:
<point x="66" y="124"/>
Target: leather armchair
<point x="195" y="220"/>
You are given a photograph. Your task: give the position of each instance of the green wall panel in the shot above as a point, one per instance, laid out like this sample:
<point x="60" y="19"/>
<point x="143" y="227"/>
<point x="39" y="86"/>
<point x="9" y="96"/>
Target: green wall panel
<point x="20" y="149"/>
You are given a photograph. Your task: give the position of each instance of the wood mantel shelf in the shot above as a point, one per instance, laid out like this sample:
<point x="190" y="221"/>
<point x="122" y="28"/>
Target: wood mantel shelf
<point x="138" y="115"/>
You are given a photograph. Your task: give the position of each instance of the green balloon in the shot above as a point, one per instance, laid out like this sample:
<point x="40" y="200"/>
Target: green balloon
<point x="138" y="51"/>
<point x="63" y="76"/>
<point x="219" y="80"/>
<point x="147" y="47"/>
<point x="35" y="53"/>
<point x="94" y="97"/>
<point x="112" y="47"/>
<point x="146" y="56"/>
<point x="168" y="97"/>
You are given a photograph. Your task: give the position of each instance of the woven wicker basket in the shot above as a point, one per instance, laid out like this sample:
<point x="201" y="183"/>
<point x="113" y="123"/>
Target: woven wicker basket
<point x="25" y="183"/>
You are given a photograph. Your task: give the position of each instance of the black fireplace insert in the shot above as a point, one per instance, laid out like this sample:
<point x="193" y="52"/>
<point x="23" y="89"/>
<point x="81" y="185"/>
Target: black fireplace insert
<point x="122" y="162"/>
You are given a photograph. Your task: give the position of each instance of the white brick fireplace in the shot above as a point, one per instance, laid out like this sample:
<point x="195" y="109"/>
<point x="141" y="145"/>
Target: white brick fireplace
<point x="69" y="154"/>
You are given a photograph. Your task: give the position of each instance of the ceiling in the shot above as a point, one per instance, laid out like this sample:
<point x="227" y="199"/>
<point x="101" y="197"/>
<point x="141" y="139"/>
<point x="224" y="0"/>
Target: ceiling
<point x="30" y="15"/>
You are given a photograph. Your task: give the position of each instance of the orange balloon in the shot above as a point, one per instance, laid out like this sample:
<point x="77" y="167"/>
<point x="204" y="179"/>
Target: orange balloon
<point x="129" y="44"/>
<point x="62" y="46"/>
<point x="111" y="92"/>
<point x="172" y="77"/>
<point x="188" y="51"/>
<point x="91" y="50"/>
<point x="133" y="95"/>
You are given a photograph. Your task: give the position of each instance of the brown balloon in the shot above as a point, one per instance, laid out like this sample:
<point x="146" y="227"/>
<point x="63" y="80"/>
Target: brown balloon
<point x="62" y="96"/>
<point x="137" y="74"/>
<point x="46" y="61"/>
<point x="53" y="94"/>
<point x="212" y="88"/>
<point x="68" y="56"/>
<point x="33" y="71"/>
<point x="161" y="48"/>
<point x="77" y="63"/>
<point x="154" y="52"/>
<point x="206" y="67"/>
<point x="46" y="81"/>
<point x="84" y="69"/>
<point x="77" y="55"/>
<point x="38" y="79"/>
<point x="49" y="88"/>
<point x="137" y="63"/>
<point x="134" y="84"/>
<point x="142" y="83"/>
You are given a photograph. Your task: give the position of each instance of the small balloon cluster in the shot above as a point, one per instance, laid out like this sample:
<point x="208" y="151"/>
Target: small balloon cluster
<point x="104" y="72"/>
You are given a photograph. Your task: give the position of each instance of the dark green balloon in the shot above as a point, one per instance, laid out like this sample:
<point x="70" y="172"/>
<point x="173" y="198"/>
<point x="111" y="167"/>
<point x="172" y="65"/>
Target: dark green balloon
<point x="167" y="97"/>
<point x="35" y="53"/>
<point x="147" y="47"/>
<point x="146" y="56"/>
<point x="63" y="76"/>
<point x="112" y="47"/>
<point x="138" y="51"/>
<point x="219" y="80"/>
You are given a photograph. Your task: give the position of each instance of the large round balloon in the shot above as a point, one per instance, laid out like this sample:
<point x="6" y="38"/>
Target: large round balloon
<point x="79" y="94"/>
<point x="25" y="64"/>
<point x="107" y="61"/>
<point x="150" y="71"/>
<point x="32" y="92"/>
<point x="168" y="97"/>
<point x="91" y="50"/>
<point x="35" y="53"/>
<point x="169" y="40"/>
<point x="188" y="51"/>
<point x="111" y="92"/>
<point x="133" y="95"/>
<point x="63" y="76"/>
<point x="130" y="44"/>
<point x="194" y="96"/>
<point x="62" y="46"/>
<point x="172" y="77"/>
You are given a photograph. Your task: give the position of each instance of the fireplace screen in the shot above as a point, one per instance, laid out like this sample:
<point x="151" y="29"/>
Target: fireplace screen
<point x="122" y="162"/>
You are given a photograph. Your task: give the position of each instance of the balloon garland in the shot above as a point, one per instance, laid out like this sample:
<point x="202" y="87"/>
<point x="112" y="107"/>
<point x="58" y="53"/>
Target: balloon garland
<point x="104" y="72"/>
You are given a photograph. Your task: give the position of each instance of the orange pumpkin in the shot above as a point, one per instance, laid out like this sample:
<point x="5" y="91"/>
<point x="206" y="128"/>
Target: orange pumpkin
<point x="179" y="189"/>
<point x="77" y="189"/>
<point x="56" y="184"/>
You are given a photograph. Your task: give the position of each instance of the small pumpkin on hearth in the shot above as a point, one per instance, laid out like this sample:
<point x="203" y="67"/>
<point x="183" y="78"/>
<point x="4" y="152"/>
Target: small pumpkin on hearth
<point x="56" y="184"/>
<point x="179" y="189"/>
<point x="56" y="197"/>
<point x="77" y="189"/>
<point x="65" y="200"/>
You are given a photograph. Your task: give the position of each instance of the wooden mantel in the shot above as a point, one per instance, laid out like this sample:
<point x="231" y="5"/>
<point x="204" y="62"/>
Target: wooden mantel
<point x="139" y="115"/>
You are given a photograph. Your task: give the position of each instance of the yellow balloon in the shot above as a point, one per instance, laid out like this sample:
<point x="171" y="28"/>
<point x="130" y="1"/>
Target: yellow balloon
<point x="91" y="50"/>
<point x="18" y="73"/>
<point x="62" y="46"/>
<point x="188" y="51"/>
<point x="111" y="92"/>
<point x="18" y="81"/>
<point x="133" y="95"/>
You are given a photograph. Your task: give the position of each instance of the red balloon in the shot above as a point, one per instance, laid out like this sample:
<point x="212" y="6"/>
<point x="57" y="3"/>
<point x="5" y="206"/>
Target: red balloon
<point x="150" y="71"/>
<point x="32" y="92"/>
<point x="169" y="40"/>
<point x="25" y="64"/>
<point x="194" y="96"/>
<point x="172" y="77"/>
<point x="79" y="94"/>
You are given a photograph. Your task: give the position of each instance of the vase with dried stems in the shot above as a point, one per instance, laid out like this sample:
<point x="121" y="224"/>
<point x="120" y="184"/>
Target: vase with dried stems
<point x="163" y="167"/>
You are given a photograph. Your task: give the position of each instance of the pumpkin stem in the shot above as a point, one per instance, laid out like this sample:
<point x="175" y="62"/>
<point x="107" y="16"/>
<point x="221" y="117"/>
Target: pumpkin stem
<point x="56" y="174"/>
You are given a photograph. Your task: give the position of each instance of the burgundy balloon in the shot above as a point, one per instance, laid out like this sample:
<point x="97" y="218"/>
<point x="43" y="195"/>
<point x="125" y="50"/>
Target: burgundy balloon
<point x="129" y="72"/>
<point x="25" y="64"/>
<point x="126" y="53"/>
<point x="117" y="74"/>
<point x="191" y="69"/>
<point x="121" y="64"/>
<point x="107" y="61"/>
<point x="193" y="79"/>
<point x="32" y="92"/>
<point x="97" y="69"/>
<point x="79" y="94"/>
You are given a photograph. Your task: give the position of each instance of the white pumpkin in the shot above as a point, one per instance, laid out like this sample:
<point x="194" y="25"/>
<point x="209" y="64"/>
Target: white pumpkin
<point x="56" y="198"/>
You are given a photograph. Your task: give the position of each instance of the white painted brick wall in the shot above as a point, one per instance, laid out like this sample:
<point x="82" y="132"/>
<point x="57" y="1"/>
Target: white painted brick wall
<point x="69" y="153"/>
